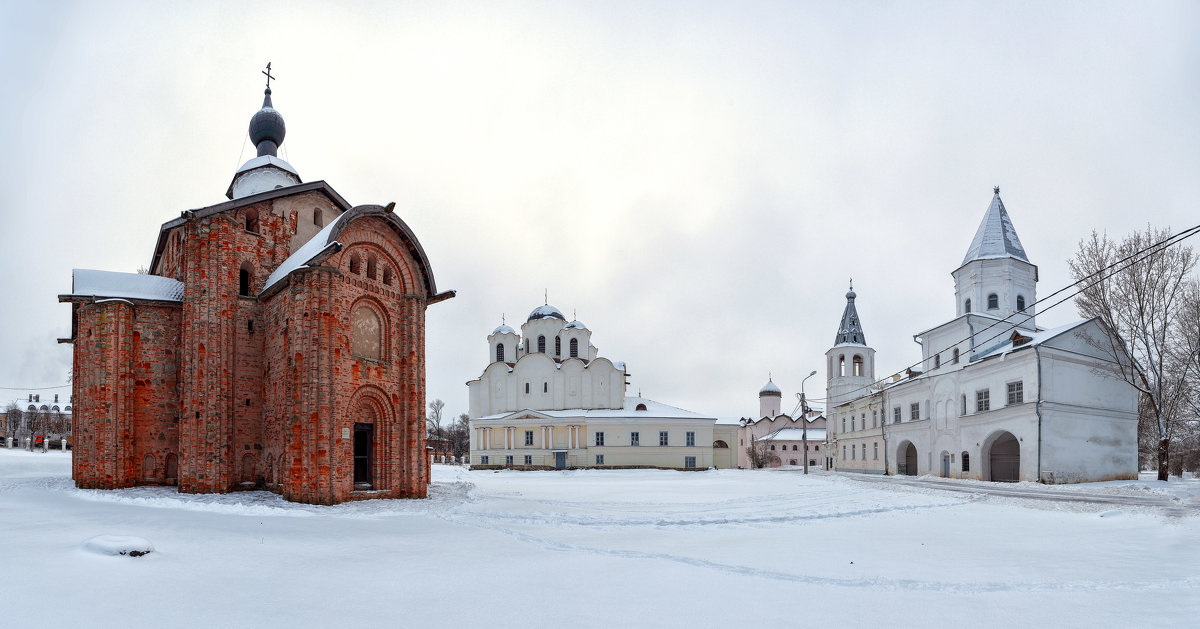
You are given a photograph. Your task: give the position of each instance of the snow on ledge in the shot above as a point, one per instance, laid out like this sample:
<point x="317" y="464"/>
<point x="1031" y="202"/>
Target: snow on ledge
<point x="302" y="257"/>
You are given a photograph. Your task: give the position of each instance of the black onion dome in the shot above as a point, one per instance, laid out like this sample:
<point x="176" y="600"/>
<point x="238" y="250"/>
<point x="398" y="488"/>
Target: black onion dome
<point x="267" y="128"/>
<point x="546" y="312"/>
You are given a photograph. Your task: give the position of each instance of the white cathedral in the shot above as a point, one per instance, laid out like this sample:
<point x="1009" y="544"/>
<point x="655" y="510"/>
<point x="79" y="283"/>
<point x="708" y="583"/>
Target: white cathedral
<point x="548" y="400"/>
<point x="996" y="397"/>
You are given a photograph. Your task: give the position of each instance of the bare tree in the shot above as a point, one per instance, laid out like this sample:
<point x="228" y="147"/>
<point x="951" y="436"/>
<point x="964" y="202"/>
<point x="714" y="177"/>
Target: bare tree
<point x="460" y="435"/>
<point x="433" y="424"/>
<point x="1140" y="303"/>
<point x="12" y="421"/>
<point x="759" y="453"/>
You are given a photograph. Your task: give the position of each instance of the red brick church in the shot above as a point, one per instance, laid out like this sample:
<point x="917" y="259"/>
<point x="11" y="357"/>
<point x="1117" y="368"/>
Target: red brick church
<point x="277" y="341"/>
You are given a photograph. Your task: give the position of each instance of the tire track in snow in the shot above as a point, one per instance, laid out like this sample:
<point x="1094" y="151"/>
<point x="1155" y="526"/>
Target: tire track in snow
<point x="876" y="583"/>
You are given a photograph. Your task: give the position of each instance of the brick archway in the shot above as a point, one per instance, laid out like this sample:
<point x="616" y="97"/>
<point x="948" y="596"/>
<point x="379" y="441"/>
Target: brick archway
<point x="371" y="449"/>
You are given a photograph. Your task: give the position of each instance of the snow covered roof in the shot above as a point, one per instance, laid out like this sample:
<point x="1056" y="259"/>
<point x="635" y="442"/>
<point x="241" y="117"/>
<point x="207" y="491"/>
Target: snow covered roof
<point x="996" y="237"/>
<point x="575" y="325"/>
<point x="267" y="160"/>
<point x="794" y="434"/>
<point x="1022" y="339"/>
<point x="653" y="409"/>
<point x="503" y="329"/>
<point x="769" y="389"/>
<point x="546" y="312"/>
<point x="300" y="259"/>
<point x="111" y="284"/>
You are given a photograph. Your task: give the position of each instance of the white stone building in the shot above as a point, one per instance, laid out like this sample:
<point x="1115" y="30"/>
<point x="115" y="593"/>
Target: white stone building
<point x="995" y="397"/>
<point x="548" y="400"/>
<point x="779" y="437"/>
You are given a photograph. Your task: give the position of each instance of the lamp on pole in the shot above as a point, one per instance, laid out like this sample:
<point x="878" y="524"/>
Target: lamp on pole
<point x="804" y="418"/>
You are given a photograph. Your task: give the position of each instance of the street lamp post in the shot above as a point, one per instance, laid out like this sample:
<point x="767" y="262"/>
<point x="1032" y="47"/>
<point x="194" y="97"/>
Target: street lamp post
<point x="804" y="419"/>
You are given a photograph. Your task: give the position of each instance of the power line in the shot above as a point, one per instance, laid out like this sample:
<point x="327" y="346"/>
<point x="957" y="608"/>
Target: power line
<point x="1143" y="253"/>
<point x="64" y="386"/>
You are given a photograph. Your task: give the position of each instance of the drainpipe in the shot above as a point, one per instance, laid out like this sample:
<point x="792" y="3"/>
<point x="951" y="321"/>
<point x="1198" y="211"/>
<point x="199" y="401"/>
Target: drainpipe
<point x="1038" y="407"/>
<point x="971" y="349"/>
<point x="883" y="429"/>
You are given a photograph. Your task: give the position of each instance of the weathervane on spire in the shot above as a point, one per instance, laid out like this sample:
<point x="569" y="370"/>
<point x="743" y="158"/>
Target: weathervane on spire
<point x="502" y="321"/>
<point x="852" y="283"/>
<point x="268" y="73"/>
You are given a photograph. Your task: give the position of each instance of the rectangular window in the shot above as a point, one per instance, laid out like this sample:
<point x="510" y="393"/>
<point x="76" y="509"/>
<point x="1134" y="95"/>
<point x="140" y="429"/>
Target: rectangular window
<point x="874" y="418"/>
<point x="545" y="387"/>
<point x="852" y="429"/>
<point x="689" y="462"/>
<point x="599" y="438"/>
<point x="508" y="459"/>
<point x="843" y="453"/>
<point x="528" y="459"/>
<point x="662" y="438"/>
<point x="635" y="438"/>
<point x="483" y="460"/>
<point x="528" y="437"/>
<point x="526" y="388"/>
<point x="954" y="360"/>
<point x="853" y="452"/>
<point x="983" y="400"/>
<point x="1016" y="392"/>
<point x="843" y="423"/>
<point x="914" y="411"/>
<point x="599" y="459"/>
<point x="690" y="438"/>
<point x="937" y="361"/>
<point x="896" y="415"/>
<point x="876" y="455"/>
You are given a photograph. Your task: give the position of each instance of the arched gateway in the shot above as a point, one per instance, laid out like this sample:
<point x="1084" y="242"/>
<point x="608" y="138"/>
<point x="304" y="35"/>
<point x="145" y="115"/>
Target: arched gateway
<point x="1004" y="459"/>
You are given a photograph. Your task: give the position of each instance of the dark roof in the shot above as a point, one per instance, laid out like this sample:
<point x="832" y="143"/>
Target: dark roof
<point x="312" y="186"/>
<point x="850" y="330"/>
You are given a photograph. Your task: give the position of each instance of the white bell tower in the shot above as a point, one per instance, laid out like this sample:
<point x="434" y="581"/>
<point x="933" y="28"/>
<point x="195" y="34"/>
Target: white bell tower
<point x="850" y="363"/>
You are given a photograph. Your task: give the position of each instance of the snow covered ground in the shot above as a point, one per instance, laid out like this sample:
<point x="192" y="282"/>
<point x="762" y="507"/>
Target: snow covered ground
<point x="620" y="548"/>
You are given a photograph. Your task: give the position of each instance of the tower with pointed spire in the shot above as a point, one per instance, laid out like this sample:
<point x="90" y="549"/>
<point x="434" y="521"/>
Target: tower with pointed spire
<point x="850" y="363"/>
<point x="996" y="278"/>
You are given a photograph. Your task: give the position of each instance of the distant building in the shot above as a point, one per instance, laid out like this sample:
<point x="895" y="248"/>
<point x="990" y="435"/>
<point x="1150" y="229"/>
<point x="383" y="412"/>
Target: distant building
<point x="548" y="400"/>
<point x="277" y="341"/>
<point x="30" y="421"/>
<point x="778" y="439"/>
<point x="996" y="397"/>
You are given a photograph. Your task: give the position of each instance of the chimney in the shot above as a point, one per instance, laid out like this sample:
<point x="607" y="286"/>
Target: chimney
<point x="56" y="398"/>
<point x="37" y="398"/>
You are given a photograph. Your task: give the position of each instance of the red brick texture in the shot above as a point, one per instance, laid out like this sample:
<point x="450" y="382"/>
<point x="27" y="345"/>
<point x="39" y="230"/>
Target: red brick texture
<point x="228" y="391"/>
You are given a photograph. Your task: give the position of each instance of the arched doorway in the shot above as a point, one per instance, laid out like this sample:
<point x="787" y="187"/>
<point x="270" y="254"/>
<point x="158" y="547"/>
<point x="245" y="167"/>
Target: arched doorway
<point x="1004" y="459"/>
<point x="172" y="469"/>
<point x="908" y="460"/>
<point x="775" y="462"/>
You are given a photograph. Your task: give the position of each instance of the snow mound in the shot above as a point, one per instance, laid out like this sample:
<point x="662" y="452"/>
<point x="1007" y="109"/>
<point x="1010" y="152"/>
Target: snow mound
<point x="118" y="545"/>
<point x="1111" y="514"/>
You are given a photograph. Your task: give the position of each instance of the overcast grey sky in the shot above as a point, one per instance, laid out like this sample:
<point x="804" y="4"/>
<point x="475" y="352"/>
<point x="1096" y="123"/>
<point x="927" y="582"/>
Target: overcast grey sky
<point x="698" y="180"/>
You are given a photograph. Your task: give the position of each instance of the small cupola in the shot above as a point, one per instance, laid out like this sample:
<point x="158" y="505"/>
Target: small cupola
<point x="266" y="171"/>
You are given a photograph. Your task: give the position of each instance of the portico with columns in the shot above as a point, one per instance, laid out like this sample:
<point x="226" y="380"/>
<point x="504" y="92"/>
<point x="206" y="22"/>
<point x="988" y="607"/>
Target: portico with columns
<point x="548" y="400"/>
